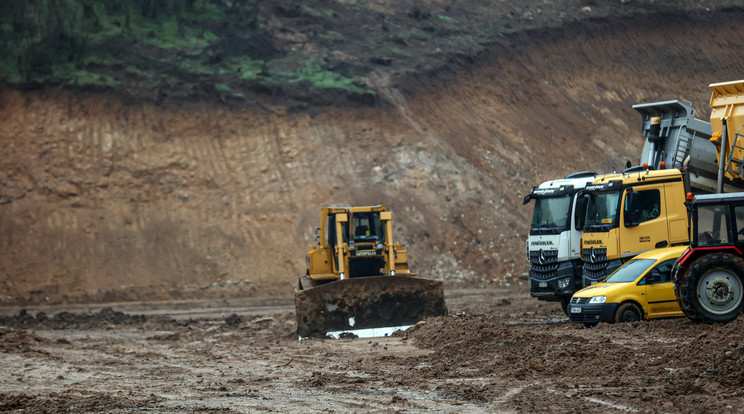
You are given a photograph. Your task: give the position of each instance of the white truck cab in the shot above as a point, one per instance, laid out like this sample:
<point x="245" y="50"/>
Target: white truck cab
<point x="554" y="242"/>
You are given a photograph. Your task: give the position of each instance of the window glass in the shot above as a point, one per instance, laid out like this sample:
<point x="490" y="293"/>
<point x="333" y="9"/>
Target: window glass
<point x="602" y="208"/>
<point x="647" y="206"/>
<point x="739" y="213"/>
<point x="551" y="212"/>
<point x="630" y="271"/>
<point x="367" y="227"/>
<point x="712" y="222"/>
<point x="663" y="270"/>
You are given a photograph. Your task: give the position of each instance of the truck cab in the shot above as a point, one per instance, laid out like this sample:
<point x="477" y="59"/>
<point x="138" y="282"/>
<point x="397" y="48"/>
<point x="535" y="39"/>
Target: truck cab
<point x="630" y="213"/>
<point x="553" y="245"/>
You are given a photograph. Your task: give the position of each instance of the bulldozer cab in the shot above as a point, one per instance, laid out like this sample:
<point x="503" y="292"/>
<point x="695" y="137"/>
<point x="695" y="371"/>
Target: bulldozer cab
<point x="355" y="238"/>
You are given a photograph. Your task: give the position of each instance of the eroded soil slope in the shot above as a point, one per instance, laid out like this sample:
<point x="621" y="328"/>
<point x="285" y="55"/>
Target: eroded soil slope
<point x="102" y="200"/>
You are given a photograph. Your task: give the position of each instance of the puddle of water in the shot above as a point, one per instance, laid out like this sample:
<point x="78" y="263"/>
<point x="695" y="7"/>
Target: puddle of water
<point x="366" y="333"/>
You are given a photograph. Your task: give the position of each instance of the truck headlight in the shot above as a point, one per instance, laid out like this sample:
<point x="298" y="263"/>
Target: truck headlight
<point x="598" y="299"/>
<point x="563" y="283"/>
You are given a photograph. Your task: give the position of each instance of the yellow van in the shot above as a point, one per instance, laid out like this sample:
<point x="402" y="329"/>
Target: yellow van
<point x="642" y="288"/>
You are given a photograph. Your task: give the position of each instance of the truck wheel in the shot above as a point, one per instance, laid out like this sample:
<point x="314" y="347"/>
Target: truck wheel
<point x="564" y="305"/>
<point x="628" y="312"/>
<point x="711" y="289"/>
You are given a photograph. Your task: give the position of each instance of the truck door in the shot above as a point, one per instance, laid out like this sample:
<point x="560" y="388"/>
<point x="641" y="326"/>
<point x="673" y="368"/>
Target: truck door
<point x="660" y="290"/>
<point x="644" y="224"/>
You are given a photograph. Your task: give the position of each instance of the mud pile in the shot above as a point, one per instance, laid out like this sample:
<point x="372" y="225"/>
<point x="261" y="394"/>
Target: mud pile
<point x="500" y="351"/>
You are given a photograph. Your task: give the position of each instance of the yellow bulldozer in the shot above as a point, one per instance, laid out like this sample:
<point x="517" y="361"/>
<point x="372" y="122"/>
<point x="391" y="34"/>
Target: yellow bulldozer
<point x="357" y="280"/>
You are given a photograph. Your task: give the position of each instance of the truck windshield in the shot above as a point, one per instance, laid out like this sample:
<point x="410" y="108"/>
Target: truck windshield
<point x="601" y="211"/>
<point x="551" y="214"/>
<point x="630" y="271"/>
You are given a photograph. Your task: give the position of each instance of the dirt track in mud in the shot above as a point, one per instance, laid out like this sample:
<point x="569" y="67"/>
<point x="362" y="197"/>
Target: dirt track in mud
<point x="499" y="350"/>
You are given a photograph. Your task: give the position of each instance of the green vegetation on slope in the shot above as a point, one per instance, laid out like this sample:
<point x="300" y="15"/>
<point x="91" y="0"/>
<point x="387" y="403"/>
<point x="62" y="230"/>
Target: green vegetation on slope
<point x="201" y="45"/>
<point x="313" y="52"/>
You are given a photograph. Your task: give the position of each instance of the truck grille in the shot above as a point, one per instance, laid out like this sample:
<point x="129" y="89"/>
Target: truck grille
<point x="595" y="265"/>
<point x="594" y="255"/>
<point x="544" y="264"/>
<point x="543" y="257"/>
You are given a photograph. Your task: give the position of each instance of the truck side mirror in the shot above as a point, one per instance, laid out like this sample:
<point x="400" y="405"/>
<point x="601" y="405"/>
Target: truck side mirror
<point x="632" y="218"/>
<point x="632" y="213"/>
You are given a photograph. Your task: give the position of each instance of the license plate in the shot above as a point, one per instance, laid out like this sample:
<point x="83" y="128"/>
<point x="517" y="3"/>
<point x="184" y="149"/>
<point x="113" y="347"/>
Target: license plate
<point x="575" y="309"/>
<point x="365" y="253"/>
<point x="543" y="284"/>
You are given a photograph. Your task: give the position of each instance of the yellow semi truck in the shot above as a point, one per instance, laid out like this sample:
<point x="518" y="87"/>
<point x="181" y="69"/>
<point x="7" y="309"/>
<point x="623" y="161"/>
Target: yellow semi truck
<point x="643" y="208"/>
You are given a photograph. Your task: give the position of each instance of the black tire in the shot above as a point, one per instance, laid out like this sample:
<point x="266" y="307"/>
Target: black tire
<point x="712" y="288"/>
<point x="628" y="312"/>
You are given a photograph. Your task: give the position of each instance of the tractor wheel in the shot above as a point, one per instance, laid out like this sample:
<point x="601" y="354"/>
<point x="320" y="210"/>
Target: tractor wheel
<point x="628" y="312"/>
<point x="711" y="289"/>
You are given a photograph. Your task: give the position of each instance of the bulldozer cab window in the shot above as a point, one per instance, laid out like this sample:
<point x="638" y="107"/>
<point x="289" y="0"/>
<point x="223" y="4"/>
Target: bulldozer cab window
<point x="367" y="227"/>
<point x="711" y="226"/>
<point x="330" y="231"/>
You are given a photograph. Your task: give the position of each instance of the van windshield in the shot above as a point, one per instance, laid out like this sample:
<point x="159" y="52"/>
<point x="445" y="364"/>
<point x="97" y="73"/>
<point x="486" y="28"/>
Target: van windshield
<point x="630" y="271"/>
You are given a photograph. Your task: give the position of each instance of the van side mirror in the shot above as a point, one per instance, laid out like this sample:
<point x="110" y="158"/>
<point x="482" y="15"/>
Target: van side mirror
<point x="653" y="277"/>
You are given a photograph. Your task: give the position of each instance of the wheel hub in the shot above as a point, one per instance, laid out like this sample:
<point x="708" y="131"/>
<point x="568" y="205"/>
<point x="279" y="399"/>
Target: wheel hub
<point x="719" y="291"/>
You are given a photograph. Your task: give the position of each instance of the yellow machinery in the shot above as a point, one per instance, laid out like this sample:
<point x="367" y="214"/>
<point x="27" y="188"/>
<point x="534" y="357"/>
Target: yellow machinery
<point x="357" y="277"/>
<point x="644" y="207"/>
<point x="727" y="120"/>
<point x="630" y="213"/>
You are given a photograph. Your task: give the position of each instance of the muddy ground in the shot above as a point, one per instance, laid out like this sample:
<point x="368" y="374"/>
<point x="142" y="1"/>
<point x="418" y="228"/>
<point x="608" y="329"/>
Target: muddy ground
<point x="498" y="350"/>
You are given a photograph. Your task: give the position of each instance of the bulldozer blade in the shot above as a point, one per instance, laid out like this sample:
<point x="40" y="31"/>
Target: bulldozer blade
<point x="364" y="303"/>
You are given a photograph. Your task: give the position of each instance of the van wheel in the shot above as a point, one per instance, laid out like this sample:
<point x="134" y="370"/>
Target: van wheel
<point x="628" y="312"/>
